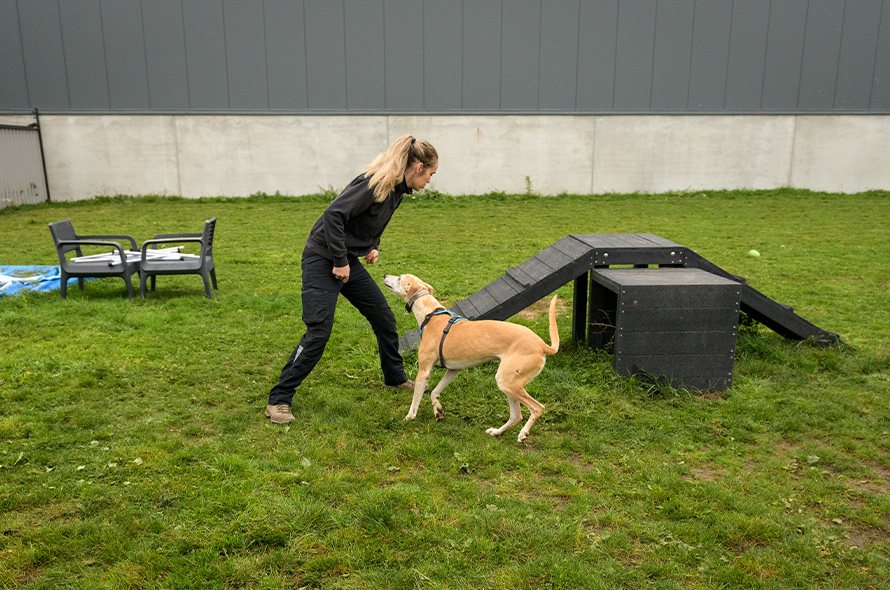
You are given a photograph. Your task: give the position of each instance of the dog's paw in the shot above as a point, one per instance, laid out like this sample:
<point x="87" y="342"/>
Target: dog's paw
<point x="493" y="432"/>
<point x="522" y="436"/>
<point x="440" y="414"/>
<point x="410" y="417"/>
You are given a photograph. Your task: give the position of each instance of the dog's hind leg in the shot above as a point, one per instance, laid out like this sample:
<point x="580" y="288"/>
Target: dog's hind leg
<point x="512" y="381"/>
<point x="450" y="374"/>
<point x="515" y="417"/>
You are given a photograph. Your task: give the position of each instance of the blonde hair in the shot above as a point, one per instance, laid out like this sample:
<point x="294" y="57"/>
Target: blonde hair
<point x="388" y="169"/>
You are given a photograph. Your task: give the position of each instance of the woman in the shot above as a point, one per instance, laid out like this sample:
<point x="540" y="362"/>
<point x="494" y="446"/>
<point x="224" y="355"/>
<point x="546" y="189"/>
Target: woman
<point x="349" y="229"/>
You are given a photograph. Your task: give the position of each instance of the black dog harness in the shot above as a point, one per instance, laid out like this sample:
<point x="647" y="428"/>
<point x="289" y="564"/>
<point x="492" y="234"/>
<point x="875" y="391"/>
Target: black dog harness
<point x="454" y="319"/>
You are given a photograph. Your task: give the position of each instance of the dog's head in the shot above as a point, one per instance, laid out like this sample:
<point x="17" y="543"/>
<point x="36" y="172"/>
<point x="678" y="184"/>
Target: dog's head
<point x="406" y="286"/>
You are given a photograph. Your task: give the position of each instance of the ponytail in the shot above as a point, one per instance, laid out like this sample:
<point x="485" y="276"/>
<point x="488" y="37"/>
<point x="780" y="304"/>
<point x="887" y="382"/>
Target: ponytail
<point x="388" y="169"/>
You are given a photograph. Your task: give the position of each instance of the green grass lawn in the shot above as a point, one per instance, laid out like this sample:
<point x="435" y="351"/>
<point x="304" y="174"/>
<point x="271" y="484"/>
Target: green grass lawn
<point x="134" y="452"/>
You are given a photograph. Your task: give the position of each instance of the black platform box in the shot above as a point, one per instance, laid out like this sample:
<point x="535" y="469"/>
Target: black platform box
<point x="674" y="325"/>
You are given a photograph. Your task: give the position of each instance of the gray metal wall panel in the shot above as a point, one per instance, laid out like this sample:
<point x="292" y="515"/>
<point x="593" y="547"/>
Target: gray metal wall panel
<point x="325" y="54"/>
<point x="818" y="76"/>
<point x="428" y="56"/>
<point x="710" y="54"/>
<point x="559" y="55"/>
<point x="521" y="55"/>
<point x="404" y="55"/>
<point x="482" y="56"/>
<point x="784" y="52"/>
<point x="862" y="22"/>
<point x="41" y="31"/>
<point x="365" y="68"/>
<point x="14" y="89"/>
<point x="673" y="55"/>
<point x="442" y="55"/>
<point x="747" y="55"/>
<point x="205" y="50"/>
<point x="165" y="61"/>
<point x="83" y="43"/>
<point x="245" y="53"/>
<point x="598" y="38"/>
<point x="880" y="91"/>
<point x="633" y="62"/>
<point x="125" y="54"/>
<point x="286" y="54"/>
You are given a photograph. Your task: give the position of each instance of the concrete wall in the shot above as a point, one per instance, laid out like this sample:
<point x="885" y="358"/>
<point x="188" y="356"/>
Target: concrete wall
<point x="228" y="155"/>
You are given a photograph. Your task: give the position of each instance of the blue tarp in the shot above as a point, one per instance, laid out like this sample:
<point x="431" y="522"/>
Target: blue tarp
<point x="41" y="278"/>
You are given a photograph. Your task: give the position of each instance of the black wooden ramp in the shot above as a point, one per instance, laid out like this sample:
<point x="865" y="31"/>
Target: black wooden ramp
<point x="575" y="256"/>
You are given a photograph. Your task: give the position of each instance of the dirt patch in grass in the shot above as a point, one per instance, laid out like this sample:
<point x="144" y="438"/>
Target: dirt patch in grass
<point x="541" y="307"/>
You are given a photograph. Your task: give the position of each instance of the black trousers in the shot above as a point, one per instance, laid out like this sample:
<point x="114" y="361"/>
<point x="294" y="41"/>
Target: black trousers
<point x="320" y="292"/>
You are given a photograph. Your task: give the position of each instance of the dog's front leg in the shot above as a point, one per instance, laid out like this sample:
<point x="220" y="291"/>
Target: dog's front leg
<point x="450" y="374"/>
<point x="420" y="382"/>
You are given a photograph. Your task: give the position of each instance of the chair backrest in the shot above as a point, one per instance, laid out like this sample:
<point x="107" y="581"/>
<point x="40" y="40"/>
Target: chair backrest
<point x="207" y="236"/>
<point x="63" y="230"/>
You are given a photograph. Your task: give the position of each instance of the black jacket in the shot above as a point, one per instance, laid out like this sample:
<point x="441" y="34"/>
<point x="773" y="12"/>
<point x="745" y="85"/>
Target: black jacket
<point x="353" y="223"/>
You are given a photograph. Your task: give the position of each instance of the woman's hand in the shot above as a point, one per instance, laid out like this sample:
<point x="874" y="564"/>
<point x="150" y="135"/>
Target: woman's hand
<point x="342" y="273"/>
<point x="371" y="257"/>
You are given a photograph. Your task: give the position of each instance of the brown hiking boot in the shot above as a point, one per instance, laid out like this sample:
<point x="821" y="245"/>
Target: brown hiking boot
<point x="279" y="414"/>
<point x="406" y="385"/>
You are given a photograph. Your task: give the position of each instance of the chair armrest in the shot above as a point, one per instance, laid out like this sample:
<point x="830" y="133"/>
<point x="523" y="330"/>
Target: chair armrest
<point x="176" y="236"/>
<point x="115" y="245"/>
<point x="174" y="239"/>
<point x="104" y="237"/>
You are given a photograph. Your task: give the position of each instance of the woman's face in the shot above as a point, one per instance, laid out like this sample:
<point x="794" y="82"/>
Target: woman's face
<point x="417" y="176"/>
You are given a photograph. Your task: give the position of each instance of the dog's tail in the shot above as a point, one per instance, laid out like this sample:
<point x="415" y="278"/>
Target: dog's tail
<point x="554" y="333"/>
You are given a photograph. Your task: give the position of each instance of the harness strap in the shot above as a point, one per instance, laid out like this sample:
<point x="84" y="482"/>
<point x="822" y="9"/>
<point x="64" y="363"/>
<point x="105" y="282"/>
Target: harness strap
<point x="454" y="319"/>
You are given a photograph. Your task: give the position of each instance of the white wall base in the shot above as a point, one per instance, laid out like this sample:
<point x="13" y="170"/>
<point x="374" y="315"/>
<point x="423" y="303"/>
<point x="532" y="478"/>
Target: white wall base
<point x="237" y="155"/>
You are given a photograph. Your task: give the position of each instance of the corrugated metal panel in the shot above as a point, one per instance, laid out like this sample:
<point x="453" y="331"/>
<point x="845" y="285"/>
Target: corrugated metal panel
<point x="710" y="54"/>
<point x="784" y="52"/>
<point x="286" y="55"/>
<point x="168" y="81"/>
<point x="559" y="55"/>
<point x="245" y="44"/>
<point x="365" y="68"/>
<point x="880" y="91"/>
<point x="442" y="55"/>
<point x="41" y="30"/>
<point x="822" y="47"/>
<point x="673" y="53"/>
<point x="123" y="32"/>
<point x="205" y="50"/>
<point x="325" y="54"/>
<point x="482" y="56"/>
<point x="633" y="62"/>
<point x="13" y="90"/>
<point x="597" y="44"/>
<point x="83" y="44"/>
<point x="404" y="55"/>
<point x="747" y="55"/>
<point x="862" y="22"/>
<point x="21" y="167"/>
<point x="432" y="56"/>
<point x="520" y="55"/>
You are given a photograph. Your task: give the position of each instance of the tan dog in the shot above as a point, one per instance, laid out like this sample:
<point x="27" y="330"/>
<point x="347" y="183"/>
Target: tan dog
<point x="469" y="343"/>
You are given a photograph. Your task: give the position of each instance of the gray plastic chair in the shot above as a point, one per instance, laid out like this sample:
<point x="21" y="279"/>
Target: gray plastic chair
<point x="67" y="240"/>
<point x="202" y="265"/>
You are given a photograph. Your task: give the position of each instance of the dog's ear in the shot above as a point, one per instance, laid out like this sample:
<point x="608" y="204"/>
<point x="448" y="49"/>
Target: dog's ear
<point x="430" y="289"/>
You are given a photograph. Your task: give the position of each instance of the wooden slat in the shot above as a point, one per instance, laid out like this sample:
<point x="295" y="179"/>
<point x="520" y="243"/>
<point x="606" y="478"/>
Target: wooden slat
<point x="680" y="319"/>
<point x="482" y="301"/>
<point x="572" y="247"/>
<point x="467" y="308"/>
<point x="670" y="344"/>
<point x="536" y="269"/>
<point x="518" y="275"/>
